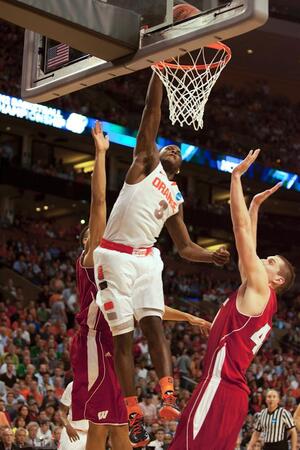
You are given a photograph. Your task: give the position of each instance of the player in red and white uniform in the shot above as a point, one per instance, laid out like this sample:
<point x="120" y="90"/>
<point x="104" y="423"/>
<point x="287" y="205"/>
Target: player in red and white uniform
<point x="96" y="393"/>
<point x="128" y="268"/>
<point x="74" y="434"/>
<point x="219" y="405"/>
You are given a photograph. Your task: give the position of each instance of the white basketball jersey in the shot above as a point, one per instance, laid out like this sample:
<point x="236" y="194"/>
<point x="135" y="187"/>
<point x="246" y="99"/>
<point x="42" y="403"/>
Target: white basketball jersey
<point x="66" y="399"/>
<point x="142" y="209"/>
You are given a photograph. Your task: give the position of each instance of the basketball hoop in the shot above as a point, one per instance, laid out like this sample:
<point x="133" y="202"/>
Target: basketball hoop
<point x="188" y="85"/>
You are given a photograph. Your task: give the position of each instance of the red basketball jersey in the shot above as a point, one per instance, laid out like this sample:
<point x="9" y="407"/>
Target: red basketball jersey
<point x="90" y="316"/>
<point x="233" y="342"/>
<point x="235" y="339"/>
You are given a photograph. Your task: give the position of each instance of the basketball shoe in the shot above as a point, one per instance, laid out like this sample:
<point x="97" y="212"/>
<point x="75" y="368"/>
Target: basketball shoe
<point x="169" y="409"/>
<point x="138" y="435"/>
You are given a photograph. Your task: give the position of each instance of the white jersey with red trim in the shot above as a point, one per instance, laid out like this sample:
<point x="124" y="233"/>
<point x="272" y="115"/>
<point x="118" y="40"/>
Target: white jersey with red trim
<point x="66" y="399"/>
<point x="142" y="209"/>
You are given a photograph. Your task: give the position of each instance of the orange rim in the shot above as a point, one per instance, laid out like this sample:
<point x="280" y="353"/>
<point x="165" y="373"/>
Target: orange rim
<point x="215" y="46"/>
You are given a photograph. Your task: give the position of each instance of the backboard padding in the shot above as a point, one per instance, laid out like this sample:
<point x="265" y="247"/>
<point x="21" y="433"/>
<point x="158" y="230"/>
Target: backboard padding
<point x="237" y="17"/>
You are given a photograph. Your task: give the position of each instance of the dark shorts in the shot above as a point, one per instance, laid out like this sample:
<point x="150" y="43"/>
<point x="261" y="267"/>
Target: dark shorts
<point x="96" y="393"/>
<point x="282" y="445"/>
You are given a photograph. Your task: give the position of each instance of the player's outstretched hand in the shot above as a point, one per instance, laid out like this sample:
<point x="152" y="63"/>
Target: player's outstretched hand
<point x="221" y="256"/>
<point x="241" y="168"/>
<point x="101" y="141"/>
<point x="72" y="433"/>
<point x="204" y="325"/>
<point x="258" y="199"/>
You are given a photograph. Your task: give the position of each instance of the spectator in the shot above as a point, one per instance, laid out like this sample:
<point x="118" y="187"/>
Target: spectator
<point x="159" y="440"/>
<point x="148" y="408"/>
<point x="4" y="420"/>
<point x="167" y="441"/>
<point x="7" y="440"/>
<point x="3" y="339"/>
<point x="20" y="265"/>
<point x="172" y="427"/>
<point x="32" y="439"/>
<point x="24" y="413"/>
<point x="9" y="377"/>
<point x="184" y="366"/>
<point x="2" y="389"/>
<point x="10" y="406"/>
<point x="50" y="399"/>
<point x="141" y="370"/>
<point x="35" y="392"/>
<point x="56" y="436"/>
<point x="44" y="434"/>
<point x="20" y="438"/>
<point x="19" y="422"/>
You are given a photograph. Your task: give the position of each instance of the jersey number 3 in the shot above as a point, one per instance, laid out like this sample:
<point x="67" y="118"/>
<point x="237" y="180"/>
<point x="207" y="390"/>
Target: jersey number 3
<point x="259" y="336"/>
<point x="159" y="212"/>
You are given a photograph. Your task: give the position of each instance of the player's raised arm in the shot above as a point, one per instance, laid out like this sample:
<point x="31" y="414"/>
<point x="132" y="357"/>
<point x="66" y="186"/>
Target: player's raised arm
<point x="187" y="249"/>
<point x="97" y="220"/>
<point x="255" y="205"/>
<point x="150" y="121"/>
<point x="146" y="155"/>
<point x="256" y="276"/>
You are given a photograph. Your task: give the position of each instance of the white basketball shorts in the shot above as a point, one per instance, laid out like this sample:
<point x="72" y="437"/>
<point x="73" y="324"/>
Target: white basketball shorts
<point x="129" y="286"/>
<point x="66" y="444"/>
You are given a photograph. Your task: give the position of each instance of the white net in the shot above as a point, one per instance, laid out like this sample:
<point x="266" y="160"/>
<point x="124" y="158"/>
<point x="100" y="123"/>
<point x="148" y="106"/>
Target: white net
<point x="188" y="86"/>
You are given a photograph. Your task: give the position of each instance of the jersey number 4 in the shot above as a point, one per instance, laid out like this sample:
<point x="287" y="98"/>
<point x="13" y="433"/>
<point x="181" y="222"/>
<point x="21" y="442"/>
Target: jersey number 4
<point x="259" y="336"/>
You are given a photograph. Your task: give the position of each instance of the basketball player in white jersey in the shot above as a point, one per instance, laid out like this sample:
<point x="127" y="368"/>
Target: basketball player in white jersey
<point x="128" y="268"/>
<point x="96" y="393"/>
<point x="74" y="434"/>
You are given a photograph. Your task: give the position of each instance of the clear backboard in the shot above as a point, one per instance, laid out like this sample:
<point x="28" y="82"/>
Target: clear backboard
<point x="52" y="68"/>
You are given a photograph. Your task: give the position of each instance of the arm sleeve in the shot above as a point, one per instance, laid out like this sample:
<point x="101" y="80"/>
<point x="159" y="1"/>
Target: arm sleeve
<point x="288" y="419"/>
<point x="257" y="425"/>
<point x="66" y="398"/>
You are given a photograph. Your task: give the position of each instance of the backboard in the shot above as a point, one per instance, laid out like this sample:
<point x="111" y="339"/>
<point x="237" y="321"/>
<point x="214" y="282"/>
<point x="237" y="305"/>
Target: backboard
<point x="159" y="38"/>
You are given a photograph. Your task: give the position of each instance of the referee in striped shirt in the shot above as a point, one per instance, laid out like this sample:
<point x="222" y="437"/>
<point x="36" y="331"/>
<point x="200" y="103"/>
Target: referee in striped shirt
<point x="276" y="424"/>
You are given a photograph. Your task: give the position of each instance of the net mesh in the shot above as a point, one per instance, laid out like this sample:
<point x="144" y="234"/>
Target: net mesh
<point x="188" y="86"/>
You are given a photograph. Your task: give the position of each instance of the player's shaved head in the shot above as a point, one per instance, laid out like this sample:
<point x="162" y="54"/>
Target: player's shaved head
<point x="170" y="157"/>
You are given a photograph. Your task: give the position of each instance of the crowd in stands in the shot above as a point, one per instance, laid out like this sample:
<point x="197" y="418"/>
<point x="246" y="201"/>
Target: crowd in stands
<point x="11" y="55"/>
<point x="244" y="118"/>
<point x="234" y="113"/>
<point x="282" y="9"/>
<point x="10" y="156"/>
<point x="36" y="334"/>
<point x="60" y="170"/>
<point x="35" y="339"/>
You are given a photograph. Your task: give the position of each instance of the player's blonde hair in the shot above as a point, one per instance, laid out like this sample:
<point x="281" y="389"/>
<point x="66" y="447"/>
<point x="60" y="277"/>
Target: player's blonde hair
<point x="288" y="273"/>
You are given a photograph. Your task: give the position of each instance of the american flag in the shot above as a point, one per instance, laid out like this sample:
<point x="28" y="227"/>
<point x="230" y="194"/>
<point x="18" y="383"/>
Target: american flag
<point x="57" y="55"/>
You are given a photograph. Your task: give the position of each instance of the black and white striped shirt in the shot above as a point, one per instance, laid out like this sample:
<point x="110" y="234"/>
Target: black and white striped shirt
<point x="274" y="425"/>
